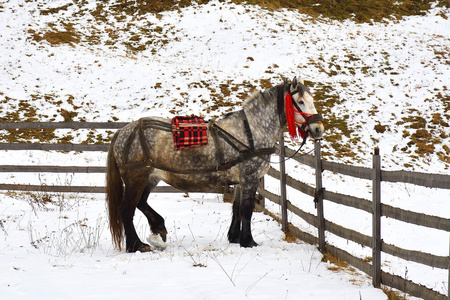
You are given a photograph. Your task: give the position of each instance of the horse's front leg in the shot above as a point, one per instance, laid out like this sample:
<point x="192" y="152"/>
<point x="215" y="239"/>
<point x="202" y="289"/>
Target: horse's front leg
<point x="234" y="233"/>
<point x="249" y="185"/>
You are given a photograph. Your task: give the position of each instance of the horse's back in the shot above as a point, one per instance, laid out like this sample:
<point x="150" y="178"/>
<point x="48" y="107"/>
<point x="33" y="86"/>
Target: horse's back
<point x="151" y="140"/>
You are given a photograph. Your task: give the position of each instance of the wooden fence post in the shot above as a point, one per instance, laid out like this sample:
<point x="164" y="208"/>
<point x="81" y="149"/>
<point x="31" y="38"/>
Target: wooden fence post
<point x="319" y="197"/>
<point x="283" y="185"/>
<point x="376" y="219"/>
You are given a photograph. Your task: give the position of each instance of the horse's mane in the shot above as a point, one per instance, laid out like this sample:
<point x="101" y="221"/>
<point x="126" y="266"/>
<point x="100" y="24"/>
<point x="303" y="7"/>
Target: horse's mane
<point x="268" y="95"/>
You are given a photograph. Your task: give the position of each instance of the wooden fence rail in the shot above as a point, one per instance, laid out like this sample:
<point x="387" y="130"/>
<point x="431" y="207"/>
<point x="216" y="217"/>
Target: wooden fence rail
<point x="63" y="125"/>
<point x="374" y="207"/>
<point x="54" y="147"/>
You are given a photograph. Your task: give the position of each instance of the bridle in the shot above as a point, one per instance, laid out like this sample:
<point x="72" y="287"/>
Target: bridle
<point x="309" y="118"/>
<point x="294" y="109"/>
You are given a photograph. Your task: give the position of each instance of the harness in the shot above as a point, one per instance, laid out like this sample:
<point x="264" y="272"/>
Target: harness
<point x="245" y="152"/>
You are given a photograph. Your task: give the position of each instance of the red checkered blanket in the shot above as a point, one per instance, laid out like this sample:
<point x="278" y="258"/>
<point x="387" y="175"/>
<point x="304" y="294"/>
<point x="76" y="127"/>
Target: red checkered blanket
<point x="189" y="132"/>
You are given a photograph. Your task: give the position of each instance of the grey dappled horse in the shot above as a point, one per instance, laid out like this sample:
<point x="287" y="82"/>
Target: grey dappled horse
<point x="239" y="146"/>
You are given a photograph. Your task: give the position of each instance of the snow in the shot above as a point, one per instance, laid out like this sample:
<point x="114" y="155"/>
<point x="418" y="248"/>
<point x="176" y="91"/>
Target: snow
<point x="380" y="73"/>
<point x="73" y="256"/>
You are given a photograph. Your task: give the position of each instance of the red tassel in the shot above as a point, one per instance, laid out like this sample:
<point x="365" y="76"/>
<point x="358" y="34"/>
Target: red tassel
<point x="290" y="116"/>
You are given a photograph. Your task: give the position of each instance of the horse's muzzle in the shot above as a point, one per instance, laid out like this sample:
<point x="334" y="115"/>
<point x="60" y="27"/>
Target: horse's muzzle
<point x="316" y="130"/>
<point x="315" y="126"/>
<point x="312" y="125"/>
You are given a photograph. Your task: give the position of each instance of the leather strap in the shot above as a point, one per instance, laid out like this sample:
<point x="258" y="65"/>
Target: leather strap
<point x="248" y="131"/>
<point x="243" y="155"/>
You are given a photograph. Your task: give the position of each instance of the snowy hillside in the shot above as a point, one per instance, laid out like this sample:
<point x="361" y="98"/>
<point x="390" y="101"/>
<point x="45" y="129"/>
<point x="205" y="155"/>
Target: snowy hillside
<point x="385" y="85"/>
<point x="377" y="85"/>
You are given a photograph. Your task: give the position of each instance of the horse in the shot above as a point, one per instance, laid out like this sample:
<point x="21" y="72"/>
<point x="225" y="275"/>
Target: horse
<point x="238" y="152"/>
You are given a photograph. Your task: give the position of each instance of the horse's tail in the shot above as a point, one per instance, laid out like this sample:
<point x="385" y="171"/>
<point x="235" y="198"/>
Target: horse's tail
<point x="114" y="194"/>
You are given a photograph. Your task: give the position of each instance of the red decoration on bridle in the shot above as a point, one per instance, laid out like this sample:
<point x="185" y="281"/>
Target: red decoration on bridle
<point x="290" y="116"/>
<point x="292" y="122"/>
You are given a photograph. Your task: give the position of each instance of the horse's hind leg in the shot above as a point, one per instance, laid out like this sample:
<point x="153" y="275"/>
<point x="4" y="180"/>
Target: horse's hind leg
<point x="155" y="221"/>
<point x="135" y="183"/>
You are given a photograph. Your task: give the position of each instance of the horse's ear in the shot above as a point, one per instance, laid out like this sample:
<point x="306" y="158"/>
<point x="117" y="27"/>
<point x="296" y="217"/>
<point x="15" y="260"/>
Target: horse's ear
<point x="294" y="82"/>
<point x="302" y="81"/>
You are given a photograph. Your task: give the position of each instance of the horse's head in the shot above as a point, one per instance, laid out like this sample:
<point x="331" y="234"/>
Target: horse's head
<point x="301" y="112"/>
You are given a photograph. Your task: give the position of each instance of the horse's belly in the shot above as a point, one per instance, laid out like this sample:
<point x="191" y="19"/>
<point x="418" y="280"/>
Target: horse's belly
<point x="195" y="183"/>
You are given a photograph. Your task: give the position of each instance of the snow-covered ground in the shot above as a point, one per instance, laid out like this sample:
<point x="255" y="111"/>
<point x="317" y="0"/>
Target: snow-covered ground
<point x="202" y="60"/>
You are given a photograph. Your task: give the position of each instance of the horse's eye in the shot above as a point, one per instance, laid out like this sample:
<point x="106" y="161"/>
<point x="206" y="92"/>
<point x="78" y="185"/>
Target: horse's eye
<point x="301" y="102"/>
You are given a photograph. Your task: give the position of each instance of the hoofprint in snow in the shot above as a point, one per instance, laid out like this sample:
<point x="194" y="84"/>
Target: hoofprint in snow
<point x="67" y="245"/>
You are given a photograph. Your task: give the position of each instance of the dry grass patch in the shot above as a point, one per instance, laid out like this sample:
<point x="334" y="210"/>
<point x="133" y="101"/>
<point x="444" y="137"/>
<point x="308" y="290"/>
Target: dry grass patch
<point x="338" y="264"/>
<point x="360" y="11"/>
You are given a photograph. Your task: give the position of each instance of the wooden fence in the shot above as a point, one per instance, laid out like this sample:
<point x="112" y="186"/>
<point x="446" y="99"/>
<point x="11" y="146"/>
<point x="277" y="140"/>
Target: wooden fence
<point x="374" y="207"/>
<point x="63" y="147"/>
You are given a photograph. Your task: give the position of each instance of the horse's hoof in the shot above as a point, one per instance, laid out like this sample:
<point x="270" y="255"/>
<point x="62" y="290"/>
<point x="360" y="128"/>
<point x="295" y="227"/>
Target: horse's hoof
<point x="144" y="248"/>
<point x="249" y="244"/>
<point x="162" y="233"/>
<point x="233" y="240"/>
<point x="157" y="242"/>
<point x="141" y="248"/>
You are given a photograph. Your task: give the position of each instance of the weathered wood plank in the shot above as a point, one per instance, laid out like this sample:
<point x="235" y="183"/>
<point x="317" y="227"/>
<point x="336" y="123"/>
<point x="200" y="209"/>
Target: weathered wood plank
<point x="304" y="236"/>
<point x="282" y="180"/>
<point x="72" y="189"/>
<point x="271" y="196"/>
<point x="307" y="217"/>
<point x="309" y="160"/>
<point x="338" y="198"/>
<point x="54" y="147"/>
<point x="352" y="260"/>
<point x="417" y="178"/>
<point x="332" y="227"/>
<point x="410" y="287"/>
<point x="422" y="179"/>
<point x="347" y="200"/>
<point x="358" y="172"/>
<point x="300" y="186"/>
<point x="318" y="197"/>
<point x="416" y="256"/>
<point x="387" y="279"/>
<point x="415" y="218"/>
<point x="305" y="159"/>
<point x="348" y="234"/>
<point x="376" y="219"/>
<point x="50" y="188"/>
<point x="85" y="189"/>
<point x="51" y="169"/>
<point x="63" y="125"/>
